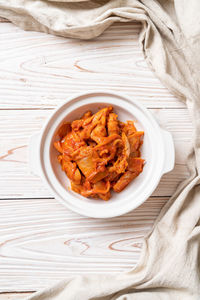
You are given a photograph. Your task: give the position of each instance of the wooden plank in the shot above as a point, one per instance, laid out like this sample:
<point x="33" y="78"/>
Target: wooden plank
<point x="14" y="296"/>
<point x="42" y="70"/>
<point x="42" y="242"/>
<point x="17" y="127"/>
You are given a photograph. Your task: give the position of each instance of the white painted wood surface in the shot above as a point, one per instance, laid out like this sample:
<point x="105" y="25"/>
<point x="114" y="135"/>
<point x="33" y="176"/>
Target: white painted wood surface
<point x="14" y="296"/>
<point x="41" y="70"/>
<point x="41" y="241"/>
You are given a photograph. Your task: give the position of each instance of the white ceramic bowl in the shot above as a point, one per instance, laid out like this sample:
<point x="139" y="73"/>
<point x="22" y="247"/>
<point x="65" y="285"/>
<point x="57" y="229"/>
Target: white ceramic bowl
<point x="157" y="150"/>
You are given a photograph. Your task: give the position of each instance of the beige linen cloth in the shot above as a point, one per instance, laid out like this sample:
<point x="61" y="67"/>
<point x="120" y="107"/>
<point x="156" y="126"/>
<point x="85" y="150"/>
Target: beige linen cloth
<point x="169" y="267"/>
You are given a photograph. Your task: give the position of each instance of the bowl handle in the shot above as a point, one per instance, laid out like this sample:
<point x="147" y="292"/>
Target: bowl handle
<point x="169" y="151"/>
<point x="34" y="154"/>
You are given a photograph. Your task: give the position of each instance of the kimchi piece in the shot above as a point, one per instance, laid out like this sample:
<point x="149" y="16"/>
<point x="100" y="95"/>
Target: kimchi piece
<point x="99" y="153"/>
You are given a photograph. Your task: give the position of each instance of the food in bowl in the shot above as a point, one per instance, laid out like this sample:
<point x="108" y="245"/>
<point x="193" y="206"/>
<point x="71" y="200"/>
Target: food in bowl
<point x="99" y="153"/>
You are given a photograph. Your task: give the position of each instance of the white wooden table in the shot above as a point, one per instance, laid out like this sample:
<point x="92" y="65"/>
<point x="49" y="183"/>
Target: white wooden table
<point x="41" y="241"/>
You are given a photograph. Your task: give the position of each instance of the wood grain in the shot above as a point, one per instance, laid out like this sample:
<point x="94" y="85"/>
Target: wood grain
<point x="43" y="70"/>
<point x="42" y="242"/>
<point x="18" y="126"/>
